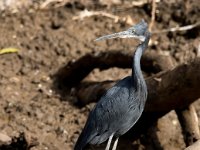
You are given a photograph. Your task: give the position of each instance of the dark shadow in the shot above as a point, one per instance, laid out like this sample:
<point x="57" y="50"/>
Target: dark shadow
<point x="65" y="93"/>
<point x="74" y="72"/>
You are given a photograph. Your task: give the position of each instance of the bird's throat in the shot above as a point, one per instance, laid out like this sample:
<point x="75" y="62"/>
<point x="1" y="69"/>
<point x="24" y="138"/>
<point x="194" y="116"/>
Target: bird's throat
<point x="137" y="76"/>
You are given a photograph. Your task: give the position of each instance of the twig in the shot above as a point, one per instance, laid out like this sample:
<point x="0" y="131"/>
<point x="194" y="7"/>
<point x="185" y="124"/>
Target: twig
<point x="183" y="28"/>
<point x="139" y="3"/>
<point x="153" y="14"/>
<point x="48" y="2"/>
<point x="85" y="13"/>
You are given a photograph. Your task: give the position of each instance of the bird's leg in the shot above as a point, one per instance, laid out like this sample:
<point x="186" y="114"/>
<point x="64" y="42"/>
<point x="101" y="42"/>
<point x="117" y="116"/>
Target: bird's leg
<point x="109" y="142"/>
<point x="115" y="144"/>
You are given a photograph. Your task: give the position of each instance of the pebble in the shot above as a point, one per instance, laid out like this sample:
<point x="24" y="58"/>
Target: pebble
<point x="4" y="139"/>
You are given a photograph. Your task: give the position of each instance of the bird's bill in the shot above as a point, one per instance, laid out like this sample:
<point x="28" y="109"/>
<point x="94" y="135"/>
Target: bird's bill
<point x="123" y="34"/>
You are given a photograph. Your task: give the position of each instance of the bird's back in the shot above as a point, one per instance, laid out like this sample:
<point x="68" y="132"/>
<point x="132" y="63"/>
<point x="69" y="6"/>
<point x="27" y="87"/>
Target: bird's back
<point x="116" y="112"/>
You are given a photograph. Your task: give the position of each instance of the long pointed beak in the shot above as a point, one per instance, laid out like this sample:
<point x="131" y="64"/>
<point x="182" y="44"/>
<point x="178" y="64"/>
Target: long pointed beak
<point x="123" y="34"/>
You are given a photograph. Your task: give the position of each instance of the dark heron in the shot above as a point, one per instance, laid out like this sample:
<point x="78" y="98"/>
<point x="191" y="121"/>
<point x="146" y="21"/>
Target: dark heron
<point x="122" y="105"/>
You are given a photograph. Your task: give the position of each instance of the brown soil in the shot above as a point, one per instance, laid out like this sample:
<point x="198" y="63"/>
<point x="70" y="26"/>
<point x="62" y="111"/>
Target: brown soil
<point x="48" y="39"/>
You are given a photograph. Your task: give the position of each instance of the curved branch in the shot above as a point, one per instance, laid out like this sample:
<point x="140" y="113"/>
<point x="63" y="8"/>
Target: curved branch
<point x="167" y="90"/>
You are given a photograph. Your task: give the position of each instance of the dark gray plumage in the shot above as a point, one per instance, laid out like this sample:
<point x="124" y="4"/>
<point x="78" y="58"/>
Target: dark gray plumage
<point x="122" y="105"/>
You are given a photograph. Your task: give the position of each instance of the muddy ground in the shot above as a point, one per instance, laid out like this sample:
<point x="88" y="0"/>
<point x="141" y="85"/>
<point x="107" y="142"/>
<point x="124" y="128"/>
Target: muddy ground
<point x="49" y="38"/>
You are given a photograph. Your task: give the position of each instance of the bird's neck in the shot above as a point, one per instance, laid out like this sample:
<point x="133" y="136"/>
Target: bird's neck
<point x="137" y="76"/>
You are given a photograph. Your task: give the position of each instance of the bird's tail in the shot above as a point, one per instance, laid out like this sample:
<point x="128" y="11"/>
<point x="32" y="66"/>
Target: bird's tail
<point x="82" y="140"/>
<point x="86" y="136"/>
<point x="80" y="144"/>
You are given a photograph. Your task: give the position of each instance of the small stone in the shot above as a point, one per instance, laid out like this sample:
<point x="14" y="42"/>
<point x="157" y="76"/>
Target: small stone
<point x="4" y="139"/>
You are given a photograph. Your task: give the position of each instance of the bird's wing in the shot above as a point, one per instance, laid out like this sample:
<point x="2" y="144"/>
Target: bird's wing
<point x="112" y="105"/>
<point x="106" y="115"/>
<point x="112" y="108"/>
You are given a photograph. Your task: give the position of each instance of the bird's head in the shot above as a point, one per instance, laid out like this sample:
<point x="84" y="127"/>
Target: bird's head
<point x="138" y="31"/>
